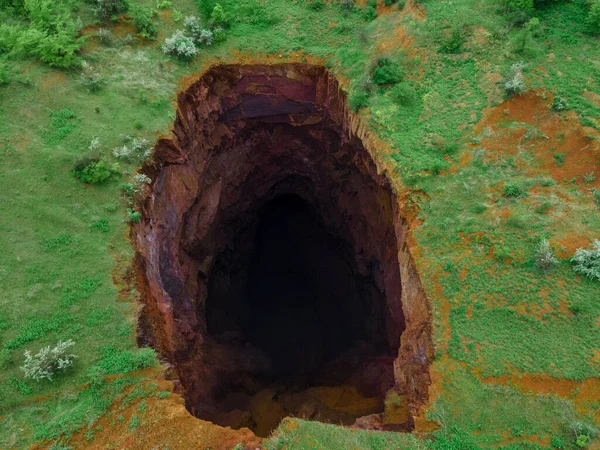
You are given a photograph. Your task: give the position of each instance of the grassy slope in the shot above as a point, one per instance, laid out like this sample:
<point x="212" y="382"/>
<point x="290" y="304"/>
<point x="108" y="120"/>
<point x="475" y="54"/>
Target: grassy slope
<point x="56" y="270"/>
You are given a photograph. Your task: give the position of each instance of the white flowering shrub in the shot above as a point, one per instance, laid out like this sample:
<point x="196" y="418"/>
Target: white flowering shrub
<point x="587" y="261"/>
<point x="141" y="178"/>
<point x="201" y="36"/>
<point x="515" y="82"/>
<point x="180" y="45"/>
<point x="48" y="361"/>
<point x="544" y="257"/>
<point x="136" y="149"/>
<point x="95" y="145"/>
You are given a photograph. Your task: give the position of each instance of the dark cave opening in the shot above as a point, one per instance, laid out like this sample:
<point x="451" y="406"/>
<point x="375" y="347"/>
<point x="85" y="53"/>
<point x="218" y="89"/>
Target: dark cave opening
<point x="304" y="302"/>
<point x="273" y="262"/>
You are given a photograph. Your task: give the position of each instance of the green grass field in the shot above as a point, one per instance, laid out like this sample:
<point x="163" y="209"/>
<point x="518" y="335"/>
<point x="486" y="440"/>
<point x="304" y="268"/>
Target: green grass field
<point x="62" y="241"/>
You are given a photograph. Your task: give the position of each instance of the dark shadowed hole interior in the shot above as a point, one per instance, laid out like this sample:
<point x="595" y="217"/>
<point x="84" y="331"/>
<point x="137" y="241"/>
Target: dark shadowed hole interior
<point x="305" y="301"/>
<point x="290" y="288"/>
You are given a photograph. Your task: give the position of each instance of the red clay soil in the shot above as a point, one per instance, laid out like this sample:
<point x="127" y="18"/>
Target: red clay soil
<point x="549" y="133"/>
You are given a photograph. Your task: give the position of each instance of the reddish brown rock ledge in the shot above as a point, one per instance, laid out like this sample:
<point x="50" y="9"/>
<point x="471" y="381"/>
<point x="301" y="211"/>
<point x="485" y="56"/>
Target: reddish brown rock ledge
<point x="273" y="260"/>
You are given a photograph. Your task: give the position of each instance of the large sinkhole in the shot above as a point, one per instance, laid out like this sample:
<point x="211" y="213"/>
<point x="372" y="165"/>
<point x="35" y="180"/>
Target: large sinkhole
<point x="273" y="260"/>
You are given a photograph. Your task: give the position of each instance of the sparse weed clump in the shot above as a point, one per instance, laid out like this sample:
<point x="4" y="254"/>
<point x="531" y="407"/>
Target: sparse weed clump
<point x="544" y="256"/>
<point x="105" y="36"/>
<point x="515" y="82"/>
<point x="513" y="190"/>
<point x="586" y="261"/>
<point x="48" y="361"/>
<point x="559" y="103"/>
<point x="90" y="79"/>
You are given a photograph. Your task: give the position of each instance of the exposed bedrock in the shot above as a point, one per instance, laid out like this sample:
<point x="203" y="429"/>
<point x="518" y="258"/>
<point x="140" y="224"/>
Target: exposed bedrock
<point x="272" y="258"/>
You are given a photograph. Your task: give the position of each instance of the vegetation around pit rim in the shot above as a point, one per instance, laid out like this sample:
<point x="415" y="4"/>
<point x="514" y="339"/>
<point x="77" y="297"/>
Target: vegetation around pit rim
<point x="72" y="135"/>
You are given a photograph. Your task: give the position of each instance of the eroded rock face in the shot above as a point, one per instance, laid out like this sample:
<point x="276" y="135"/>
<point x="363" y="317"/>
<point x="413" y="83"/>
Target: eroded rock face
<point x="272" y="257"/>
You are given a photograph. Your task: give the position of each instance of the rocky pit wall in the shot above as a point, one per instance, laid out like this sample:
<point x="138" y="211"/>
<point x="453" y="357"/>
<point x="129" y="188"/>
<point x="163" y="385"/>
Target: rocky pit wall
<point x="244" y="136"/>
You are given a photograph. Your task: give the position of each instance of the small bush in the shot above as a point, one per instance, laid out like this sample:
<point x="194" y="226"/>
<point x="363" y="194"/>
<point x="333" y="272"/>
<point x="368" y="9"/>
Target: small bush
<point x="559" y="158"/>
<point x="370" y="13"/>
<point x="105" y="36"/>
<point x="454" y="42"/>
<point x="133" y="216"/>
<point x="218" y="17"/>
<point x="586" y="262"/>
<point x="389" y="2"/>
<point x="596" y="195"/>
<point x="593" y="18"/>
<point x="180" y="45"/>
<point x="107" y="9"/>
<point x="48" y="361"/>
<point x="5" y="73"/>
<point x="544" y="256"/>
<point x="387" y="72"/>
<point x="91" y="169"/>
<point x="90" y="79"/>
<point x="513" y="190"/>
<point x="133" y="149"/>
<point x="199" y="35"/>
<point x="559" y="103"/>
<point x="515" y="82"/>
<point x="358" y="99"/>
<point x="316" y="5"/>
<point x="403" y="94"/>
<point x="142" y="19"/>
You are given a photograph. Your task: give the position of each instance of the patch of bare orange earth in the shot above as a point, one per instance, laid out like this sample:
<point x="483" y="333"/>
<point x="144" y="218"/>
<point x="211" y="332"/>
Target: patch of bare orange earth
<point x="164" y="423"/>
<point x="556" y="133"/>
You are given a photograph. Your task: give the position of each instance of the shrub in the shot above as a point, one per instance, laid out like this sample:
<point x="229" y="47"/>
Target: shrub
<point x="387" y="72"/>
<point x="51" y="35"/>
<point x="389" y="2"/>
<point x="559" y="103"/>
<point x="90" y="79"/>
<point x="586" y="262"/>
<point x="48" y="361"/>
<point x="4" y="73"/>
<point x="358" y="99"/>
<point x="134" y="149"/>
<point x="199" y="35"/>
<point x="593" y="18"/>
<point x="596" y="195"/>
<point x="105" y="36"/>
<point x="518" y="10"/>
<point x="559" y="158"/>
<point x="133" y="216"/>
<point x="91" y="169"/>
<point x="513" y="190"/>
<point x="544" y="256"/>
<point x="454" y="42"/>
<point x="316" y="5"/>
<point x="142" y="19"/>
<point x="347" y="5"/>
<point x="218" y="16"/>
<point x="370" y="13"/>
<point x="180" y="45"/>
<point x="107" y="9"/>
<point x="403" y="94"/>
<point x="515" y="82"/>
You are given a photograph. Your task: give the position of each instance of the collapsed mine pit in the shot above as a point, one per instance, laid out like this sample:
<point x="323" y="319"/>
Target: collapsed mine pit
<point x="272" y="258"/>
